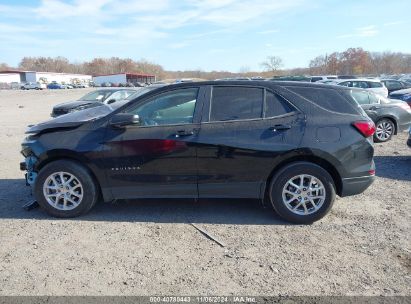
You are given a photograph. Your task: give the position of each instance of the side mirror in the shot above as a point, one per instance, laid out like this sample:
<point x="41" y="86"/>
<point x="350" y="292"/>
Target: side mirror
<point x="111" y="101"/>
<point x="123" y="119"/>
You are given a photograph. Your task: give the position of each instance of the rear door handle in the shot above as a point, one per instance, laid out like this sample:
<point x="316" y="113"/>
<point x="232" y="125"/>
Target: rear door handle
<point x="182" y="133"/>
<point x="280" y="128"/>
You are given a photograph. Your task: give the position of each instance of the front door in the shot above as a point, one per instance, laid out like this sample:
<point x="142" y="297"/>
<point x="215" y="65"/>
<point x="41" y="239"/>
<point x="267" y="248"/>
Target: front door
<point x="158" y="157"/>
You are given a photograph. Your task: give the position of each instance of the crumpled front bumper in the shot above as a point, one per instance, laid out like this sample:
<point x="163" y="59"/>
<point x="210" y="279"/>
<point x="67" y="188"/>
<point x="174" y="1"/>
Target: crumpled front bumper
<point x="28" y="166"/>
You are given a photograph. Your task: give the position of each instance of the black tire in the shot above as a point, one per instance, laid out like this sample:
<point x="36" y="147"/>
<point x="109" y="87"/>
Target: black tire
<point x="279" y="181"/>
<point x="381" y="124"/>
<point x="90" y="189"/>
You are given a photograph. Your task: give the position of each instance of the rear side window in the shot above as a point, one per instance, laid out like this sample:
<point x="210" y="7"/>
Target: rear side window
<point x="314" y="79"/>
<point x="360" y="97"/>
<point x="328" y="99"/>
<point x="234" y="103"/>
<point x="375" y="84"/>
<point x="275" y="105"/>
<point x="360" y="84"/>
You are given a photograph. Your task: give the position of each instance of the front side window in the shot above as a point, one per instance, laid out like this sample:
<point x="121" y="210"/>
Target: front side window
<point x="175" y="107"/>
<point x="360" y="97"/>
<point x="234" y="103"/>
<point x="373" y="84"/>
<point x="374" y="98"/>
<point x="360" y="84"/>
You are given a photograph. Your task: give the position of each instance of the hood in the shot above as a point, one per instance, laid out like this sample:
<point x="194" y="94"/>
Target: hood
<point x="401" y="92"/>
<point x="71" y="120"/>
<point x="75" y="104"/>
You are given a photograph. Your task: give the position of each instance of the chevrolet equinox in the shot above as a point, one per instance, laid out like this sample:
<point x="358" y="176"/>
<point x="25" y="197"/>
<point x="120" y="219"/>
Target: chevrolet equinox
<point x="294" y="145"/>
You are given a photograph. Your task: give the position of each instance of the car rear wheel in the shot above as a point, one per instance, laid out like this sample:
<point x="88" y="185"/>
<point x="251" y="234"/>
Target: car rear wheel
<point x="385" y="129"/>
<point x="65" y="189"/>
<point x="302" y="192"/>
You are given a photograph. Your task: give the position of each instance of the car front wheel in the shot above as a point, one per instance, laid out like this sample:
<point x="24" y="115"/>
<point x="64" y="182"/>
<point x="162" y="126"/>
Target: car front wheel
<point x="65" y="189"/>
<point x="302" y="192"/>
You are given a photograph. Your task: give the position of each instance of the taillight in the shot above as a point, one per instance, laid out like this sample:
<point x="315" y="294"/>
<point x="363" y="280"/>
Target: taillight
<point x="366" y="128"/>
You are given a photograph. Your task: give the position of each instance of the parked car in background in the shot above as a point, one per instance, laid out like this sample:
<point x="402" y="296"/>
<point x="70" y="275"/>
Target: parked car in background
<point x="93" y="99"/>
<point x="409" y="138"/>
<point x="404" y="95"/>
<point x="373" y="85"/>
<point x="291" y="78"/>
<point x="390" y="116"/>
<point x="406" y="79"/>
<point x="326" y="81"/>
<point x="33" y="86"/>
<point x="79" y="85"/>
<point x="395" y="85"/>
<point x="55" y="86"/>
<point x="318" y="78"/>
<point x="255" y="140"/>
<point x="16" y="85"/>
<point x="347" y="77"/>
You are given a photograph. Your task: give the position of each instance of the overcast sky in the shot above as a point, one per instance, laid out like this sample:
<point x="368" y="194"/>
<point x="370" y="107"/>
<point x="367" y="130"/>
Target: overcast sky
<point x="201" y="34"/>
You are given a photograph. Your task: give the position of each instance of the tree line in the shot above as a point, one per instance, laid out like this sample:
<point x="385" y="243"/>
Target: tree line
<point x="353" y="61"/>
<point x="356" y="61"/>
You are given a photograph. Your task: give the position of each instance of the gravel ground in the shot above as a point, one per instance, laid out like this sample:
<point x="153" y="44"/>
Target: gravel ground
<point x="148" y="247"/>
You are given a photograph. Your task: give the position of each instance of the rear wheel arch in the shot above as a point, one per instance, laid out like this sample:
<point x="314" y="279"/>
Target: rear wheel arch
<point x="326" y="165"/>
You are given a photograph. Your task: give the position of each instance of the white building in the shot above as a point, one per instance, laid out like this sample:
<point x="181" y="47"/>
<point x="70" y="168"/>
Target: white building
<point x="9" y="77"/>
<point x="44" y="77"/>
<point x="124" y="78"/>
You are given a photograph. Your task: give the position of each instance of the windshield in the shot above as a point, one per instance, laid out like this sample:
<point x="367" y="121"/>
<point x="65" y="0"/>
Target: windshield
<point x="138" y="93"/>
<point x="99" y="95"/>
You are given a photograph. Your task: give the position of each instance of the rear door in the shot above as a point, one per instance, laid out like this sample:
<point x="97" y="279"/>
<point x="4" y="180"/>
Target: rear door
<point x="243" y="131"/>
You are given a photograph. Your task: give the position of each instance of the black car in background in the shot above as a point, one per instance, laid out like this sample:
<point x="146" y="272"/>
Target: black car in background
<point x="390" y="116"/>
<point x="93" y="99"/>
<point x="294" y="145"/>
<point x="395" y="85"/>
<point x="404" y="95"/>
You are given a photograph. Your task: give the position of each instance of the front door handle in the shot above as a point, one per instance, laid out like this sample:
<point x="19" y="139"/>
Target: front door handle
<point x="182" y="133"/>
<point x="280" y="128"/>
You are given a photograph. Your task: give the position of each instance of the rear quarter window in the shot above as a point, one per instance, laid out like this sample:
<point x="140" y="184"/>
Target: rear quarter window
<point x="328" y="99"/>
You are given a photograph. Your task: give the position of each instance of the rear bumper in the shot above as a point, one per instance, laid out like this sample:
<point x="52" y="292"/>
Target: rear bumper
<point x="356" y="185"/>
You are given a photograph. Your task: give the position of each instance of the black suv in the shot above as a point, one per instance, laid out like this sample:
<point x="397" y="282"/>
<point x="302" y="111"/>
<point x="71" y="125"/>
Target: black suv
<point x="295" y="145"/>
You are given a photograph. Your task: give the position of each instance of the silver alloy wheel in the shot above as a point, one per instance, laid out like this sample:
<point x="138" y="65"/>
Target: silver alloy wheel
<point x="384" y="130"/>
<point x="63" y="191"/>
<point x="304" y="194"/>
